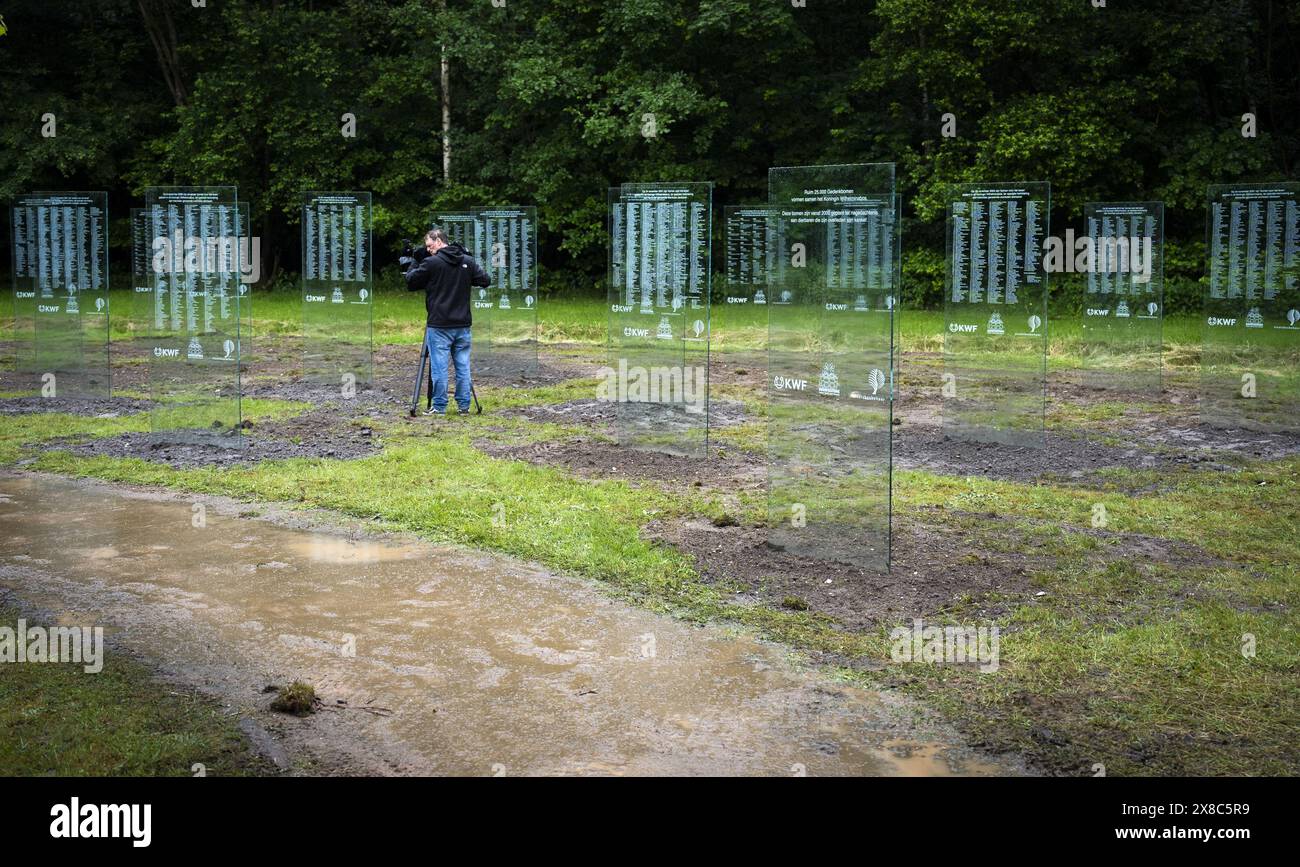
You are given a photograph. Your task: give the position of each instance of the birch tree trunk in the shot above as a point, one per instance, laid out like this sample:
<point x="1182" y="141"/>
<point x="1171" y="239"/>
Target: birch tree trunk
<point x="162" y="33"/>
<point x="445" y="81"/>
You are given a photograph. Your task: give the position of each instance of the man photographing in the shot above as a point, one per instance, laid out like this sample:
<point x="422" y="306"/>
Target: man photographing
<point x="446" y="275"/>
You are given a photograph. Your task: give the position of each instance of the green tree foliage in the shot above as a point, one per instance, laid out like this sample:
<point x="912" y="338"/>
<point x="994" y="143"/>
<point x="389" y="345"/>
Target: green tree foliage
<point x="552" y="103"/>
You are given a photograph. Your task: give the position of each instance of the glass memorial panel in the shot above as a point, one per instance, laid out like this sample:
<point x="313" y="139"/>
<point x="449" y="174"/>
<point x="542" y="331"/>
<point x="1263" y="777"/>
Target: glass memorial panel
<point x="831" y="323"/>
<point x="995" y="313"/>
<point x="1123" y="303"/>
<point x="140" y="318"/>
<point x="1250" y="358"/>
<point x="753" y="264"/>
<point x="337" y="291"/>
<point x="505" y="314"/>
<point x="23" y="329"/>
<point x="194" y="371"/>
<point x="460" y="227"/>
<point x="61" y="283"/>
<point x="249" y="267"/>
<point x="659" y="284"/>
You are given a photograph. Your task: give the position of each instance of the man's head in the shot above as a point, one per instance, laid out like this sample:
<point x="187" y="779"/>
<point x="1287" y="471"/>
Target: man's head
<point x="435" y="240"/>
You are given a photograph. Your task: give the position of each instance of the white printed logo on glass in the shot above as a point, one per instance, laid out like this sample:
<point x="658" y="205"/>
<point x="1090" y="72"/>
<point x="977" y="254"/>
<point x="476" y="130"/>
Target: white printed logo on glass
<point x="860" y="306"/>
<point x="1254" y="319"/>
<point x="1121" y="311"/>
<point x="786" y="296"/>
<point x="1034" y="322"/>
<point x="1292" y="317"/>
<point x="829" y="382"/>
<point x="338" y="295"/>
<point x="665" y="331"/>
<point x="528" y="301"/>
<point x="995" y="324"/>
<point x="876" y="379"/>
<point x="759" y="297"/>
<point x="505" y="302"/>
<point x="229" y="347"/>
<point x="196" y="348"/>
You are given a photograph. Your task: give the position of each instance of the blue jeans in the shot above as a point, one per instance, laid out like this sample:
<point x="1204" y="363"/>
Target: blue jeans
<point x="442" y="341"/>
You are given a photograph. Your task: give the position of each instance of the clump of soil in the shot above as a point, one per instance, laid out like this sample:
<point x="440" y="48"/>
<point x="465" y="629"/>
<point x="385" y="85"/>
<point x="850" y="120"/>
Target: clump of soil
<point x="737" y="470"/>
<point x="297" y="698"/>
<point x="592" y="412"/>
<point x="314" y="435"/>
<point x="101" y="407"/>
<point x="1063" y="458"/>
<point x="588" y="411"/>
<point x="932" y="565"/>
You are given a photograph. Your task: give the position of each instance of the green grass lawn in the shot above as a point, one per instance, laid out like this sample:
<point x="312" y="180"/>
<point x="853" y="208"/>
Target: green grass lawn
<point x="58" y="720"/>
<point x="1115" y="653"/>
<point x="1124" y="661"/>
<point x="398" y="318"/>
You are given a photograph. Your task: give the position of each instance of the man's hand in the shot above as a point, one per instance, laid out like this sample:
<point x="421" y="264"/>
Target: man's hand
<point x="411" y="257"/>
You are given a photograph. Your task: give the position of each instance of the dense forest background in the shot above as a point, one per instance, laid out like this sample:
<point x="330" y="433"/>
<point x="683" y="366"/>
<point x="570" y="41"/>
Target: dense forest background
<point x="548" y="103"/>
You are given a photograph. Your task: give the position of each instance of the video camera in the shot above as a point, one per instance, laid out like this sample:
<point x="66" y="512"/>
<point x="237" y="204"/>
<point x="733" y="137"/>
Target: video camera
<point x="411" y="255"/>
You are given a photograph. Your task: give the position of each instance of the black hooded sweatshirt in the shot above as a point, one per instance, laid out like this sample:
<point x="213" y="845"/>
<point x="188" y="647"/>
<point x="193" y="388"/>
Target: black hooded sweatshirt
<point x="446" y="278"/>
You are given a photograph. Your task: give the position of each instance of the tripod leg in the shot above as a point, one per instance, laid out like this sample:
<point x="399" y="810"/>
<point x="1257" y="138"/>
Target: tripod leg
<point x="419" y="379"/>
<point x="428" y="401"/>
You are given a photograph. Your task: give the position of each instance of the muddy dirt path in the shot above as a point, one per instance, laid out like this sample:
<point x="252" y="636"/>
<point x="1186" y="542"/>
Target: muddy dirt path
<point x="437" y="661"/>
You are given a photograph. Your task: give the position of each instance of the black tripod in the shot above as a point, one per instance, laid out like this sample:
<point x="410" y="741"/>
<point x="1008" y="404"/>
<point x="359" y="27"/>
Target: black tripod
<point x="427" y="365"/>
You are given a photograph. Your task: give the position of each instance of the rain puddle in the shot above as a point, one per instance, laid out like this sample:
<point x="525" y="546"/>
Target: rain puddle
<point x="437" y="661"/>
